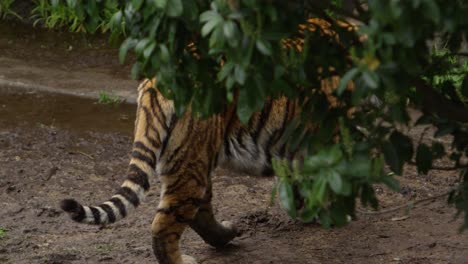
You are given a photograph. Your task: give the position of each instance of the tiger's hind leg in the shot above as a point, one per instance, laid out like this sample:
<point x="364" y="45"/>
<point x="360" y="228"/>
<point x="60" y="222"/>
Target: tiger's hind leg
<point x="214" y="233"/>
<point x="178" y="206"/>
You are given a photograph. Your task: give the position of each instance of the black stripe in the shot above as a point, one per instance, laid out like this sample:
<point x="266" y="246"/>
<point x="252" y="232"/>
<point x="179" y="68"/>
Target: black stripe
<point x="264" y="116"/>
<point x="130" y="195"/>
<point x="120" y="205"/>
<point x="186" y="140"/>
<point x="240" y="138"/>
<point x="174" y="168"/>
<point x="96" y="215"/>
<point x="182" y="180"/>
<point x="80" y="215"/>
<point x="151" y="127"/>
<point x="138" y="176"/>
<point x="180" y="183"/>
<point x="175" y="152"/>
<point x="155" y="142"/>
<point x="151" y="116"/>
<point x="148" y="160"/>
<point x="109" y="212"/>
<point x="267" y="170"/>
<point x="280" y="132"/>
<point x="227" y="147"/>
<point x="160" y="110"/>
<point x="169" y="133"/>
<point x="140" y="145"/>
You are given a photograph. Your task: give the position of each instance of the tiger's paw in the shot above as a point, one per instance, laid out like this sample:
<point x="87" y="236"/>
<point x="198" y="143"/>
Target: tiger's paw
<point x="229" y="233"/>
<point x="186" y="259"/>
<point x="228" y="225"/>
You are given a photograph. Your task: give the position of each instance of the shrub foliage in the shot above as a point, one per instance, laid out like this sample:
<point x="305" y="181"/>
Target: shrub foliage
<point x="397" y="55"/>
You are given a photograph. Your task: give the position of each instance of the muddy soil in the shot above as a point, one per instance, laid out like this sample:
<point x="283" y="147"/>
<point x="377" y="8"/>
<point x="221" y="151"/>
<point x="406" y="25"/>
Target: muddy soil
<point x="53" y="147"/>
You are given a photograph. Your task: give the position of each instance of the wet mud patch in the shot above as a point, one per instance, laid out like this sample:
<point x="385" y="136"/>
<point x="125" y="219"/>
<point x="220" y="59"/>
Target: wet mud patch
<point x="62" y="112"/>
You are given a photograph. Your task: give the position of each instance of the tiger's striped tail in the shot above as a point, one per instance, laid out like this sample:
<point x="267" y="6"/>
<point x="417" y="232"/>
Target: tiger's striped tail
<point x="154" y="120"/>
<point x="129" y="196"/>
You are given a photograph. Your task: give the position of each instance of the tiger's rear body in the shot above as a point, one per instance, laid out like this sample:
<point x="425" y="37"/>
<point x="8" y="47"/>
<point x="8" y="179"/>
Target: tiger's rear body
<point x="183" y="151"/>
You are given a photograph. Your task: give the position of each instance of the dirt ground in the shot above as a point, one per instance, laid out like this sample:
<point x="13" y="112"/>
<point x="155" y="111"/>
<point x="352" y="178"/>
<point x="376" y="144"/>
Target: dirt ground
<point x="55" y="147"/>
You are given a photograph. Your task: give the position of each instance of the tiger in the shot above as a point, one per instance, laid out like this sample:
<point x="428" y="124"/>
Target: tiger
<point x="183" y="150"/>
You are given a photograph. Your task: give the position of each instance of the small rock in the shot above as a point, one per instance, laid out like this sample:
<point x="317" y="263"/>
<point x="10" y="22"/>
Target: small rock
<point x="10" y="188"/>
<point x="106" y="258"/>
<point x="51" y="172"/>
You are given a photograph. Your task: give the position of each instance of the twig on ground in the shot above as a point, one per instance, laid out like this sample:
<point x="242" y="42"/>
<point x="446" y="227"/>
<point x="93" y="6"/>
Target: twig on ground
<point x="406" y="205"/>
<point x="82" y="153"/>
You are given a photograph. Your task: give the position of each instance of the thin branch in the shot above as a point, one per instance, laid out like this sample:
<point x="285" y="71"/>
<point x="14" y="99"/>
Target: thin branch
<point x="82" y="153"/>
<point x="406" y="205"/>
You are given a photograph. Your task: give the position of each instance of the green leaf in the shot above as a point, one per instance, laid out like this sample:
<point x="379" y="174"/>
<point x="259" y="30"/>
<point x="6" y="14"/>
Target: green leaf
<point x="136" y="71"/>
<point x="351" y="74"/>
<point x="225" y="70"/>
<point x="423" y="159"/>
<point x="368" y="196"/>
<point x="403" y="145"/>
<point x="391" y="182"/>
<point x="432" y="10"/>
<point x="319" y="191"/>
<point x="116" y="20"/>
<point x="438" y="150"/>
<point x="263" y="46"/>
<point x="217" y="38"/>
<point x="392" y="158"/>
<point x="161" y="4"/>
<point x="360" y="167"/>
<point x="165" y="55"/>
<point x="371" y="79"/>
<point x="244" y="110"/>
<point x="211" y="24"/>
<point x="149" y="50"/>
<point x="444" y="129"/>
<point x="424" y="120"/>
<point x="141" y="45"/>
<point x="308" y="215"/>
<point x="175" y="8"/>
<point x="286" y="197"/>
<point x="229" y="29"/>
<point x="126" y="45"/>
<point x="378" y="164"/>
<point x="346" y="138"/>
<point x="333" y="179"/>
<point x="464" y="86"/>
<point x="240" y="75"/>
<point x="137" y="4"/>
<point x="208" y="15"/>
<point x="327" y="157"/>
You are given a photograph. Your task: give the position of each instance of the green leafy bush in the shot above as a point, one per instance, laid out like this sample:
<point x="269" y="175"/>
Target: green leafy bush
<point x="6" y="9"/>
<point x="203" y="52"/>
<point x="74" y="15"/>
